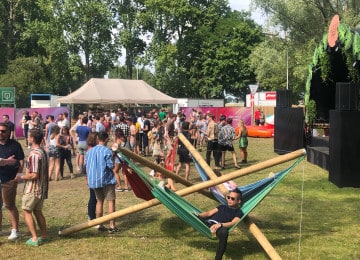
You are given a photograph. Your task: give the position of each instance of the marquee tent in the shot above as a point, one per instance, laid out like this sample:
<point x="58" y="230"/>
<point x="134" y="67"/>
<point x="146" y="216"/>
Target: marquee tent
<point x="117" y="91"/>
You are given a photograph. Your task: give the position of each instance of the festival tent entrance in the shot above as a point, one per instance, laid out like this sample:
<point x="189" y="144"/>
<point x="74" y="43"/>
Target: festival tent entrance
<point x="117" y="91"/>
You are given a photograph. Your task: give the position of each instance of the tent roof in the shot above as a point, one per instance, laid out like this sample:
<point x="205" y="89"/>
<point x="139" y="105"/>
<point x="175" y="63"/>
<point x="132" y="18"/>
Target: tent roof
<point x="115" y="91"/>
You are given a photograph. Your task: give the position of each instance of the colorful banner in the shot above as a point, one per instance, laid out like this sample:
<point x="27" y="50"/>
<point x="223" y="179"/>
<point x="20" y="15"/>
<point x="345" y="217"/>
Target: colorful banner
<point x="236" y="113"/>
<point x="15" y="115"/>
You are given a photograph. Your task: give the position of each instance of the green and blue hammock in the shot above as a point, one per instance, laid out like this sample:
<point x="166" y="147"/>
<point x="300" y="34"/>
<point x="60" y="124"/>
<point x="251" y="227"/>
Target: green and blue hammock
<point x="144" y="186"/>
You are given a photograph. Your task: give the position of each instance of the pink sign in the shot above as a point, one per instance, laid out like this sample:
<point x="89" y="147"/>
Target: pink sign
<point x="236" y="113"/>
<point x="15" y="115"/>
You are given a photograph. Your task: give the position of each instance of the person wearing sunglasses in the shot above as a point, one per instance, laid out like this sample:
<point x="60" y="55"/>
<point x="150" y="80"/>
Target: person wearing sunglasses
<point x="223" y="217"/>
<point x="10" y="149"/>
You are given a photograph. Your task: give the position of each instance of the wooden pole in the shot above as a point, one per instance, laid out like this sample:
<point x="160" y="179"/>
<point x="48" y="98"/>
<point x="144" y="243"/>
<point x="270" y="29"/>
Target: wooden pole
<point x="200" y="160"/>
<point x="260" y="237"/>
<point x="158" y="168"/>
<point x="197" y="187"/>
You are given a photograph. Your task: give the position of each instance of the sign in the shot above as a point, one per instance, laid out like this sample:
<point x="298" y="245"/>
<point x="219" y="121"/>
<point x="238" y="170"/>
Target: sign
<point x="7" y="95"/>
<point x="253" y="89"/>
<point x="271" y="95"/>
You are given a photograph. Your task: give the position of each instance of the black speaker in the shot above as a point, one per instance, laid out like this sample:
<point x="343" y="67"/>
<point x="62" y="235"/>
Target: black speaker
<point x="346" y="96"/>
<point x="288" y="130"/>
<point x="344" y="148"/>
<point x="283" y="98"/>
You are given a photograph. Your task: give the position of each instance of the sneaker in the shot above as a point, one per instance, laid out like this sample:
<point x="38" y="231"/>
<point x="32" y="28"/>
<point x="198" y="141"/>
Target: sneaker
<point x="14" y="235"/>
<point x="113" y="230"/>
<point x="30" y="242"/>
<point x="72" y="176"/>
<point x="102" y="229"/>
<point x="119" y="189"/>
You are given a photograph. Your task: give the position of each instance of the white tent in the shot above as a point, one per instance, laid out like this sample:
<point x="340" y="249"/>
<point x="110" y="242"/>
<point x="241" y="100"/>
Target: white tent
<point x="117" y="91"/>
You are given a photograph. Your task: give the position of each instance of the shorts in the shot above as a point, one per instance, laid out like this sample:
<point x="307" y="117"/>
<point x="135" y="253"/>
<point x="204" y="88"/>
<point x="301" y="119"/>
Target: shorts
<point x="54" y="151"/>
<point x="30" y="202"/>
<point x="82" y="148"/>
<point x="224" y="148"/>
<point x="184" y="156"/>
<point x="137" y="137"/>
<point x="9" y="193"/>
<point x="107" y="192"/>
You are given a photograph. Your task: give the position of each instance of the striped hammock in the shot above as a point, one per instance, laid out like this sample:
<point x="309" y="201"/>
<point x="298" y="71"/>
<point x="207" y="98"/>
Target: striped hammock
<point x="253" y="194"/>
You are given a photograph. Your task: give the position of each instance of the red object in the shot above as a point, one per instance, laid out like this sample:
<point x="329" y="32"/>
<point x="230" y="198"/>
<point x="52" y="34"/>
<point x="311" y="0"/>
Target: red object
<point x="271" y="95"/>
<point x="139" y="187"/>
<point x="170" y="158"/>
<point x="333" y="34"/>
<point x="261" y="131"/>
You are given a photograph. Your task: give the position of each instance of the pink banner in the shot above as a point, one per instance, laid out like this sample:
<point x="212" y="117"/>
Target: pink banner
<point x="15" y="115"/>
<point x="236" y="113"/>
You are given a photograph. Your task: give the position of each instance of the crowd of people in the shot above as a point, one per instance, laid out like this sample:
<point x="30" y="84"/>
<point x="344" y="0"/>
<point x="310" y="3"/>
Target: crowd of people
<point x="53" y="142"/>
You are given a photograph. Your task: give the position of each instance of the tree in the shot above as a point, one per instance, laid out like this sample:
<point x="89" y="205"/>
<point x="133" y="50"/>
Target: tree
<point x="89" y="34"/>
<point x="128" y="14"/>
<point x="303" y="23"/>
<point x="27" y="75"/>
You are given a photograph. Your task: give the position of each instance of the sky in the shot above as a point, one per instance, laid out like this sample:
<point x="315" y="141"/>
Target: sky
<point x="245" y="6"/>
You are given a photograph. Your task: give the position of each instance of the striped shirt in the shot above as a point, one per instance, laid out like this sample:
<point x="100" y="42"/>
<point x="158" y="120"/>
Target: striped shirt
<point x="38" y="163"/>
<point x="99" y="167"/>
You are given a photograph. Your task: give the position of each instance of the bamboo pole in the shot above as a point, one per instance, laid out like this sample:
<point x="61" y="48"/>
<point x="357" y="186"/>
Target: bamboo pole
<point x="158" y="168"/>
<point x="260" y="237"/>
<point x="200" y="160"/>
<point x="263" y="165"/>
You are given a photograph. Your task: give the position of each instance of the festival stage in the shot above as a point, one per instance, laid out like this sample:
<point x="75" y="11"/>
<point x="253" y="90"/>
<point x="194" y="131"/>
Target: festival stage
<point x="318" y="152"/>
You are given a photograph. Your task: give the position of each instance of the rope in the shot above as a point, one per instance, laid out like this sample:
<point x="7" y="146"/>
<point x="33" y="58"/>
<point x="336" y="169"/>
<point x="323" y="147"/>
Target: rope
<point x="301" y="211"/>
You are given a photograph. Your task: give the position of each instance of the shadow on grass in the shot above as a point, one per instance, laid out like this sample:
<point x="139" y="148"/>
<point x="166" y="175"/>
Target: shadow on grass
<point x="125" y="223"/>
<point x="237" y="248"/>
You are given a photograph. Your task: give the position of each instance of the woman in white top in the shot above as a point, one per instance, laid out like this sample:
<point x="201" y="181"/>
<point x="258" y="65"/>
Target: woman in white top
<point x="54" y="152"/>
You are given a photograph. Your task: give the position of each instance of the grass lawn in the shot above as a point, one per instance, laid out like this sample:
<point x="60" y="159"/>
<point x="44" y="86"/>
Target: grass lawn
<point x="304" y="217"/>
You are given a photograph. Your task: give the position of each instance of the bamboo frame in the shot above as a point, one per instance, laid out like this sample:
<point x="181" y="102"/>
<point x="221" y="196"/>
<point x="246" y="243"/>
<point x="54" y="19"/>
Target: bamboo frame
<point x="253" y="228"/>
<point x="197" y="187"/>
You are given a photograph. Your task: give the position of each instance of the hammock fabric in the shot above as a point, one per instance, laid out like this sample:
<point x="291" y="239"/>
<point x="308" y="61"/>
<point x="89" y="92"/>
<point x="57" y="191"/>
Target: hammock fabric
<point x="253" y="194"/>
<point x="140" y="188"/>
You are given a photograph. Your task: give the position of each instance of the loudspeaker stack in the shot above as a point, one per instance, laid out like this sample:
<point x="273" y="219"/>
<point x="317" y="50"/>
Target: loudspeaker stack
<point x="344" y="139"/>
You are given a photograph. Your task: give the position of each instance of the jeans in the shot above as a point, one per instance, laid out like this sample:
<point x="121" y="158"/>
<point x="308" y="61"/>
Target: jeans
<point x="92" y="205"/>
<point x="65" y="155"/>
<point x="212" y="146"/>
<point x="222" y="233"/>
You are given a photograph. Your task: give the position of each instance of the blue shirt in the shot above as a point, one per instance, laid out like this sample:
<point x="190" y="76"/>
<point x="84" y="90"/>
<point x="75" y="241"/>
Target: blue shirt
<point x="83" y="132"/>
<point x="99" y="167"/>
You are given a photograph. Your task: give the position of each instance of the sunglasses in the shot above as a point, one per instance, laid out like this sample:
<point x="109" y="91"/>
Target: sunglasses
<point x="230" y="198"/>
<point x="3" y="131"/>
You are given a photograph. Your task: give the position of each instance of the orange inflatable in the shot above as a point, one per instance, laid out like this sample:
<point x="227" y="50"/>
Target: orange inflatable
<point x="266" y="131"/>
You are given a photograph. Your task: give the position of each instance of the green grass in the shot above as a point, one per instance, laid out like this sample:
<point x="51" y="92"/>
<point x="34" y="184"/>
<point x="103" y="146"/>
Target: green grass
<point x="329" y="229"/>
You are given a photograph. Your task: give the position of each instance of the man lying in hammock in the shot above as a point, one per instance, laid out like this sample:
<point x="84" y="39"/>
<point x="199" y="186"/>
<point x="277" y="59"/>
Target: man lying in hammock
<point x="223" y="217"/>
